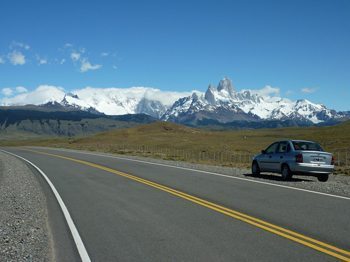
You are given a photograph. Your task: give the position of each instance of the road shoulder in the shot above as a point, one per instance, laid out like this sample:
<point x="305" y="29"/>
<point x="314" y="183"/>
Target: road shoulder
<point x="24" y="231"/>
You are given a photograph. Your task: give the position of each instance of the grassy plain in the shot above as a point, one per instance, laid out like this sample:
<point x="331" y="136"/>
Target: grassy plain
<point x="171" y="141"/>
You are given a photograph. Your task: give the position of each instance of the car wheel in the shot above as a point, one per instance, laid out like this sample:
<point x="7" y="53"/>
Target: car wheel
<point x="255" y="169"/>
<point x="323" y="177"/>
<point x="286" y="173"/>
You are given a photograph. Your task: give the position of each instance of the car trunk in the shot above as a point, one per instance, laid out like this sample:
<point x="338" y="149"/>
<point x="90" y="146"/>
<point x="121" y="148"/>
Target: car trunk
<point x="317" y="157"/>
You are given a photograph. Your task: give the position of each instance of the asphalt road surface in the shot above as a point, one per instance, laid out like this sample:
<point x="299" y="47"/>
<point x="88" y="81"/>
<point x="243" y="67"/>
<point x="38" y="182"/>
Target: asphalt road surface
<point x="128" y="210"/>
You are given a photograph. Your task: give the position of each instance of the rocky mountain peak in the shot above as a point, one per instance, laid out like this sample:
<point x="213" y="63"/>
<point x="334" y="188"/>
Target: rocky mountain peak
<point x="195" y="97"/>
<point x="72" y="95"/>
<point x="209" y="94"/>
<point x="224" y="104"/>
<point x="225" y="84"/>
<point x="302" y="102"/>
<point x="150" y="107"/>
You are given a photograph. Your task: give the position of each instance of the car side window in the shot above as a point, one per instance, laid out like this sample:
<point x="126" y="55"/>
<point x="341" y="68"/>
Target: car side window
<point x="283" y="147"/>
<point x="271" y="149"/>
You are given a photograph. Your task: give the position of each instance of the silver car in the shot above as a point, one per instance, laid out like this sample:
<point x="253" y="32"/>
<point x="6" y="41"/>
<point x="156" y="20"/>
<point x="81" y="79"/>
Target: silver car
<point x="294" y="157"/>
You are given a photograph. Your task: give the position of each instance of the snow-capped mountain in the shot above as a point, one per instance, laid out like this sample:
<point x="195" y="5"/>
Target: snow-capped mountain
<point x="110" y="101"/>
<point x="224" y="104"/>
<point x="220" y="104"/>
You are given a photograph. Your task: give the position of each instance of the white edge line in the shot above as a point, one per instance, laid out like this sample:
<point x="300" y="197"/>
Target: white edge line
<point x="200" y="171"/>
<point x="77" y="239"/>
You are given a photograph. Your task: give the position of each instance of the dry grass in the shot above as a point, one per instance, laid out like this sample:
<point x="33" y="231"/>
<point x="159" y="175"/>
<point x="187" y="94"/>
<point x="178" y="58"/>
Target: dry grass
<point x="170" y="141"/>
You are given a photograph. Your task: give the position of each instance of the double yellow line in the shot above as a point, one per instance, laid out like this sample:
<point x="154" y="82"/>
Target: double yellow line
<point x="280" y="231"/>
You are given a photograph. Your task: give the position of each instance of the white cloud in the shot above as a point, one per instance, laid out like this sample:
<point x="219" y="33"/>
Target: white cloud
<point x="15" y="44"/>
<point x="59" y="61"/>
<point x="41" y="95"/>
<point x="16" y="58"/>
<point x="21" y="89"/>
<point x="41" y="60"/>
<point x="7" y="91"/>
<point x="167" y="98"/>
<point x="75" y="56"/>
<point x="2" y="60"/>
<point x="86" y="66"/>
<point x="267" y="91"/>
<point x="308" y="90"/>
<point x="79" y="58"/>
<point x="114" y="67"/>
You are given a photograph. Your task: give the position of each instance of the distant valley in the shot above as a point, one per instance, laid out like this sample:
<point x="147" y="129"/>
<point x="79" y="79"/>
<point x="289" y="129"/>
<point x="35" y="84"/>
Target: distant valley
<point x="53" y="119"/>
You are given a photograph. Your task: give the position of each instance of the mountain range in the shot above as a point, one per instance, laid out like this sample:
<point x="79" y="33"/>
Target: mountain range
<point x="54" y="119"/>
<point x="220" y="105"/>
<point x="224" y="104"/>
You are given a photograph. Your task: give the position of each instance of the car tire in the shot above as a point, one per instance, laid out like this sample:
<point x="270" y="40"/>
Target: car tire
<point x="323" y="177"/>
<point x="255" y="169"/>
<point x="286" y="173"/>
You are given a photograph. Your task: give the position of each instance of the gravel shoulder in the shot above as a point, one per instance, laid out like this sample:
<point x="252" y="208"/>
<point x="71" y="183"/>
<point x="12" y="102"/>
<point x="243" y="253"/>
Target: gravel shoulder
<point x="24" y="228"/>
<point x="337" y="184"/>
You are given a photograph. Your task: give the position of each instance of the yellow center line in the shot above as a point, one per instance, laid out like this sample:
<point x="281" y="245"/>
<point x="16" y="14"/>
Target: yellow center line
<point x="286" y="233"/>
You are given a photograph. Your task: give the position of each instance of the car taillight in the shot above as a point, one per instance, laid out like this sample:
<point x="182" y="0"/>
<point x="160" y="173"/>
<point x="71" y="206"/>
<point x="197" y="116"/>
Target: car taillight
<point x="299" y="158"/>
<point x="333" y="160"/>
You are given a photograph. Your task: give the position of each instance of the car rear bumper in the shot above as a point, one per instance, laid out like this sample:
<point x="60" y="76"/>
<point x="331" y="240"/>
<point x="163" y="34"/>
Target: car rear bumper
<point x="308" y="168"/>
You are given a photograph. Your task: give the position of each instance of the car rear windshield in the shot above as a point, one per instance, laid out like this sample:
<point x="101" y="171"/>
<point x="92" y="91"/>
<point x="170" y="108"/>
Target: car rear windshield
<point x="306" y="146"/>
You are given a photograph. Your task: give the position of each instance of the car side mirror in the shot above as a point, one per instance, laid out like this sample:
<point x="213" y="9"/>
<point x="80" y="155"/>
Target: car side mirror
<point x="263" y="151"/>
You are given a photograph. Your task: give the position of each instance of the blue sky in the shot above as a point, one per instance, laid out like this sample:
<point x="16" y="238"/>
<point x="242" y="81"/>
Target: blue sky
<point x="301" y="47"/>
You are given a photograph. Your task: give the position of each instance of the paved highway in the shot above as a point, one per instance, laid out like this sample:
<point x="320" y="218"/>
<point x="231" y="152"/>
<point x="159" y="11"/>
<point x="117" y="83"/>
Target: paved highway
<point x="128" y="210"/>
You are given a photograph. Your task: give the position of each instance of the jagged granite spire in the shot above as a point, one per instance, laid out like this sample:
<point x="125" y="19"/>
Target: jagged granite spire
<point x="209" y="95"/>
<point x="226" y="84"/>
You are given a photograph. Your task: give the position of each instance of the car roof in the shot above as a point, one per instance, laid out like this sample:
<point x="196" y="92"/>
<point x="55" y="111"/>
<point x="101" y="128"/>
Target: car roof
<point x="294" y="140"/>
<point x="302" y="141"/>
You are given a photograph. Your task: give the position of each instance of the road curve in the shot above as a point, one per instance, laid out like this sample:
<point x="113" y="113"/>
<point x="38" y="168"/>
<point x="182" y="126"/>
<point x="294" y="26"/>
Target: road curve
<point x="133" y="211"/>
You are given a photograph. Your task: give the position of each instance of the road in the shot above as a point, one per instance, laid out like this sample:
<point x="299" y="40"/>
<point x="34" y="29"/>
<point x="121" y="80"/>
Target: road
<point x="136" y="211"/>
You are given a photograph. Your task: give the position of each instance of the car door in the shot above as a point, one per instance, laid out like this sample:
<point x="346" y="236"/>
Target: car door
<point x="280" y="156"/>
<point x="267" y="159"/>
